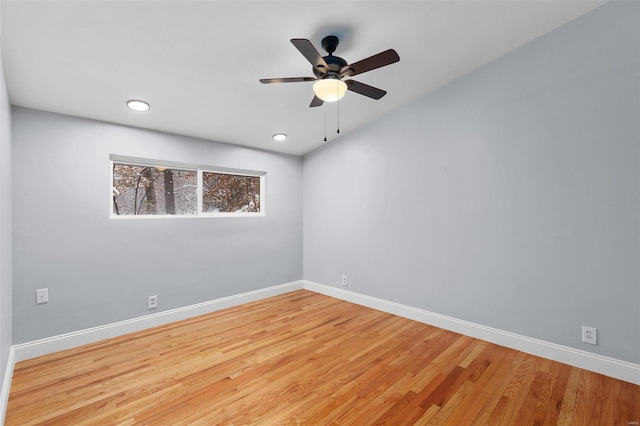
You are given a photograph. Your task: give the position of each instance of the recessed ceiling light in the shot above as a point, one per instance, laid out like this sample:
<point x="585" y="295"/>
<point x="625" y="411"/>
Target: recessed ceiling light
<point x="138" y="105"/>
<point x="279" y="137"/>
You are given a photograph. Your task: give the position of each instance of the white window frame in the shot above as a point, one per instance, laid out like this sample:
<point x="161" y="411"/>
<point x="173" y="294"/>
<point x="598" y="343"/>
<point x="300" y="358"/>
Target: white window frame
<point x="199" y="169"/>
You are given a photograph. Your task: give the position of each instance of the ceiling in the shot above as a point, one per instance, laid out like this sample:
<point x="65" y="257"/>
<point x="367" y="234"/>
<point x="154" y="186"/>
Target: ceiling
<point x="198" y="62"/>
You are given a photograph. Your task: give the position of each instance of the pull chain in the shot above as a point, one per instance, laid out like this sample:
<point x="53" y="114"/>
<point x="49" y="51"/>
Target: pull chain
<point x="338" y="96"/>
<point x="325" y="126"/>
<point x="338" y="117"/>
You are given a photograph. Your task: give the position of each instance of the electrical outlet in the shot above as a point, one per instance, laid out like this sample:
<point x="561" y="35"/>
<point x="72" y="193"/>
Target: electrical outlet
<point x="344" y="280"/>
<point x="42" y="296"/>
<point x="590" y="335"/>
<point x="152" y="302"/>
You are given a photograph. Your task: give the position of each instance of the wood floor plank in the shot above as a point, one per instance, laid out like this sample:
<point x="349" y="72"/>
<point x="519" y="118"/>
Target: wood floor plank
<point x="548" y="412"/>
<point x="488" y="383"/>
<point x="305" y="358"/>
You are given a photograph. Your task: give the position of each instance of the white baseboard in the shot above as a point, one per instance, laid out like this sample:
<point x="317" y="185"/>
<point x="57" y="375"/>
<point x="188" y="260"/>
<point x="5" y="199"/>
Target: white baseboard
<point x="6" y="384"/>
<point x="90" y="335"/>
<point x="611" y="367"/>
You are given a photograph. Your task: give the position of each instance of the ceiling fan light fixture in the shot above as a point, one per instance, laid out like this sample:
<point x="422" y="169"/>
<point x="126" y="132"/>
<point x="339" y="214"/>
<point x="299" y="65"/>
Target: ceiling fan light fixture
<point x="137" y="105"/>
<point x="330" y="89"/>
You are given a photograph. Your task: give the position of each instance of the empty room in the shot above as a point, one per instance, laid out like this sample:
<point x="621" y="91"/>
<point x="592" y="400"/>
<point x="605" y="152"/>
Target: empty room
<point x="320" y="212"/>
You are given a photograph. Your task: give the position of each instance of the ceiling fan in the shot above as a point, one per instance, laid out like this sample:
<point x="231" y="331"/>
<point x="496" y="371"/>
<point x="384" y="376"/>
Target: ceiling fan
<point x="330" y="70"/>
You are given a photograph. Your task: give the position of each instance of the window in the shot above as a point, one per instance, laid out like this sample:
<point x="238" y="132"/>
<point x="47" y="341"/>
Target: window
<point x="150" y="188"/>
<point x="227" y="193"/>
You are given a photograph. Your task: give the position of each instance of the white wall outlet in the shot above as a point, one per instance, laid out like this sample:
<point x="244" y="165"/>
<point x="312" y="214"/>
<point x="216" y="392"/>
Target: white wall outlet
<point x="590" y="335"/>
<point x="344" y="280"/>
<point x="42" y="296"/>
<point x="152" y="302"/>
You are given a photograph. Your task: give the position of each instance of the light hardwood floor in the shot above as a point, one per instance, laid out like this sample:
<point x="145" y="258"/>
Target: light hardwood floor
<point x="304" y="358"/>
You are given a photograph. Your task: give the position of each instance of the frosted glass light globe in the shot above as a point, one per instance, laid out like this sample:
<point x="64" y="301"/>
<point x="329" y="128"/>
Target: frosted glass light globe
<point x="330" y="89"/>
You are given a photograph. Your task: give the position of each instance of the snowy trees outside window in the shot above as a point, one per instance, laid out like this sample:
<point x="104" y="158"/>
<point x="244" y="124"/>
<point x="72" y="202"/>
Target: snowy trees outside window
<point x="156" y="190"/>
<point x="223" y="192"/>
<point x="142" y="190"/>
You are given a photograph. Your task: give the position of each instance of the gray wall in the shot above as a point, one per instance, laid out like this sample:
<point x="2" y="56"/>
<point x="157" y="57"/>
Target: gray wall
<point x="101" y="270"/>
<point x="509" y="198"/>
<point x="5" y="222"/>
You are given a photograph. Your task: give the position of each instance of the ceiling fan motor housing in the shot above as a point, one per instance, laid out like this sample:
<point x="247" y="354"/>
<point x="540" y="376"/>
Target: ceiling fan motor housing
<point x="335" y="63"/>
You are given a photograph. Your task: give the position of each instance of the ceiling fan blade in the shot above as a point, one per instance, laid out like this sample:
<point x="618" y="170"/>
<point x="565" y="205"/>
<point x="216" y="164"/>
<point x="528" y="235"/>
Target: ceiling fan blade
<point x="365" y="89"/>
<point x="371" y="63"/>
<point x="308" y="51"/>
<point x="286" y="80"/>
<point x="316" y="102"/>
